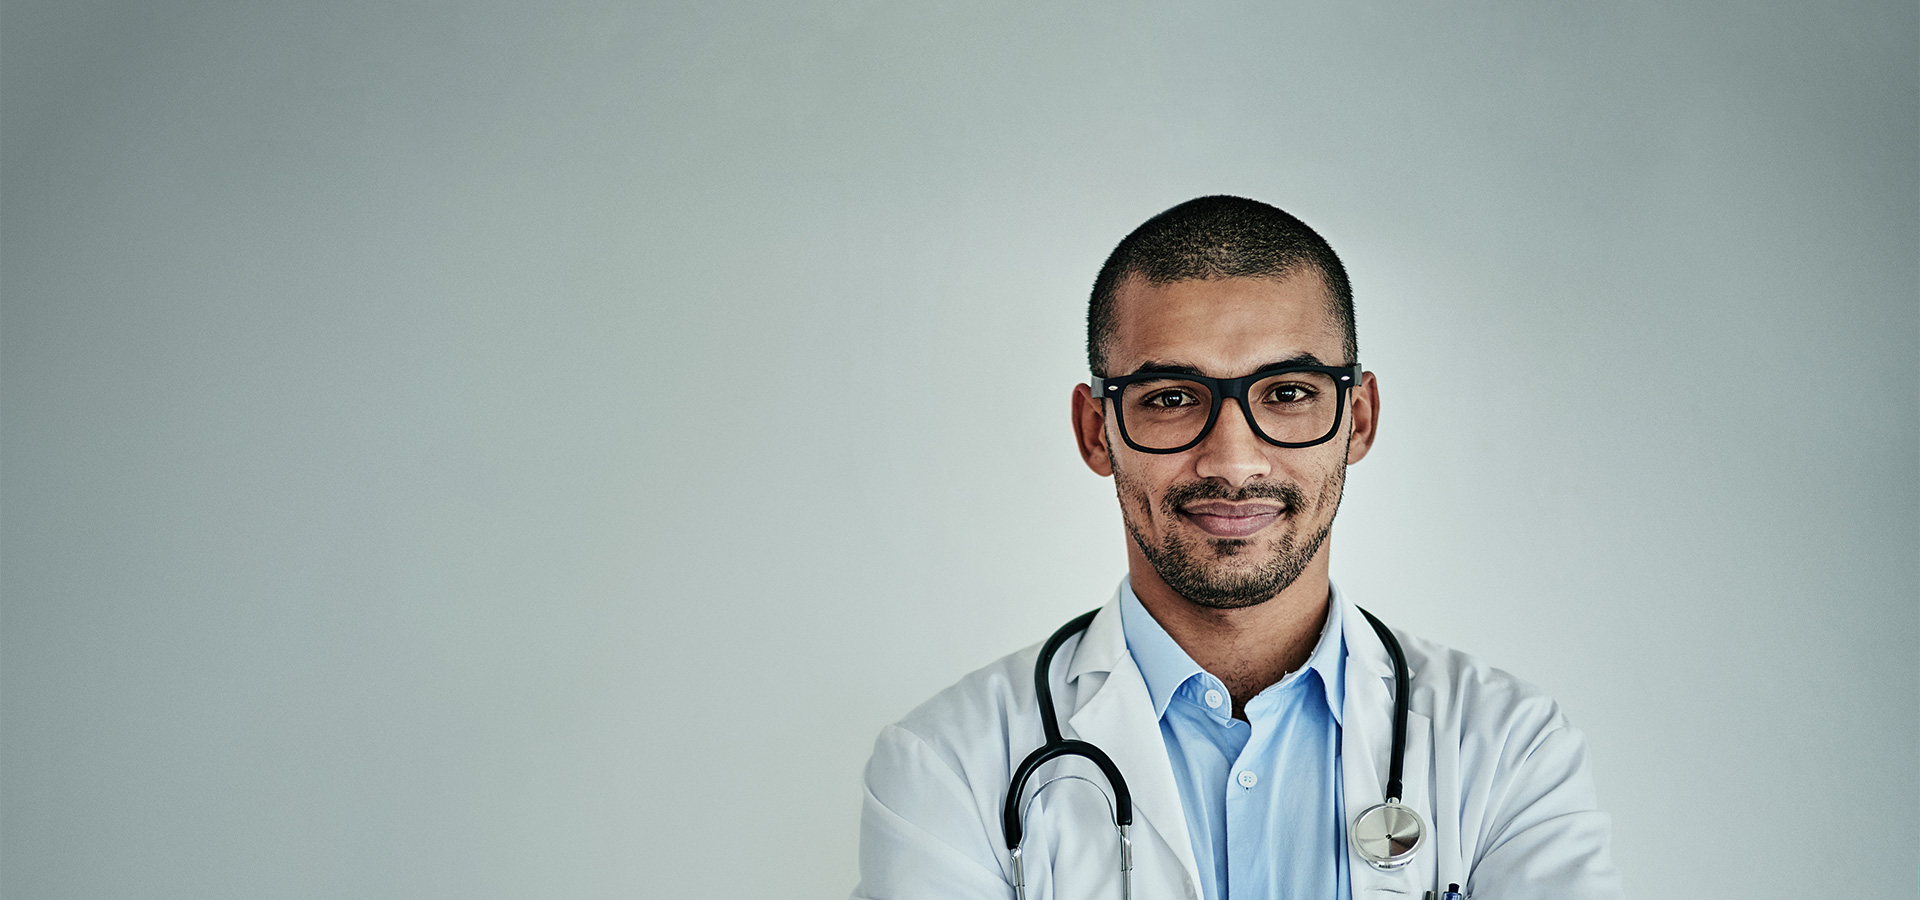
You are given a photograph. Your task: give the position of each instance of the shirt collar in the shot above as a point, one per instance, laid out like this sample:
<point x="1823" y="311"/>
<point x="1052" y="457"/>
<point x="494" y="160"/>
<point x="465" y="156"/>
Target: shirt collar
<point x="1329" y="658"/>
<point x="1165" y="666"/>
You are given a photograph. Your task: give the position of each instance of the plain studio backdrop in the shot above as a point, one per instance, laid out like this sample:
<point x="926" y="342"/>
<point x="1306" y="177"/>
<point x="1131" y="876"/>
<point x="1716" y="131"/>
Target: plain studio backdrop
<point x="530" y="449"/>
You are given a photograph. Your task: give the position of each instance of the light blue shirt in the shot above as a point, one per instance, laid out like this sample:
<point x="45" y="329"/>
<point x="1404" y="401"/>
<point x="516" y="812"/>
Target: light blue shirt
<point x="1262" y="797"/>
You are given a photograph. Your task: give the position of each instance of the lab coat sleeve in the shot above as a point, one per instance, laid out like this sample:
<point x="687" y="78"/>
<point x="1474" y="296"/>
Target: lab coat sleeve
<point x="1548" y="840"/>
<point x="921" y="832"/>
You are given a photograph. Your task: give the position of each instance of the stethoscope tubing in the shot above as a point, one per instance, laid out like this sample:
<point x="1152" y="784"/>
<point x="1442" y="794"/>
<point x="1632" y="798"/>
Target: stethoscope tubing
<point x="1401" y="678"/>
<point x="1056" y="747"/>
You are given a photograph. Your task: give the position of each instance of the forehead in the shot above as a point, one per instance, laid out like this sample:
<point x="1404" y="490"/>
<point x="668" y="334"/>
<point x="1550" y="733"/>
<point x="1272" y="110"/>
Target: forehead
<point x="1224" y="327"/>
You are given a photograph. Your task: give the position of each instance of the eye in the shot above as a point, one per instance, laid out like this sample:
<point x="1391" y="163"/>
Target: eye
<point x="1286" y="393"/>
<point x="1171" y="398"/>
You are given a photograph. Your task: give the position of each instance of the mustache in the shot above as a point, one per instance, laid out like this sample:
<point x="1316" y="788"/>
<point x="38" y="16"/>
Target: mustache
<point x="1180" y="495"/>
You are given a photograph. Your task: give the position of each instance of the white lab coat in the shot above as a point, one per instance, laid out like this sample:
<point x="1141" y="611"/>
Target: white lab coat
<point x="1491" y="764"/>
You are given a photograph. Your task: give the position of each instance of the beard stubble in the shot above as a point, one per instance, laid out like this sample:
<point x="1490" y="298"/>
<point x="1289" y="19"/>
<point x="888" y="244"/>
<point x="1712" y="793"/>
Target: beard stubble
<point x="1181" y="562"/>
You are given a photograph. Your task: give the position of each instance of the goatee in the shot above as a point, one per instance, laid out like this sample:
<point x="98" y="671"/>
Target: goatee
<point x="1180" y="562"/>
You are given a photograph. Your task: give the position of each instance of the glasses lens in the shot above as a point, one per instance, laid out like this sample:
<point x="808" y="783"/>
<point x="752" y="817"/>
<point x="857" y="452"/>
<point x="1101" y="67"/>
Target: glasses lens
<point x="1295" y="407"/>
<point x="1164" y="413"/>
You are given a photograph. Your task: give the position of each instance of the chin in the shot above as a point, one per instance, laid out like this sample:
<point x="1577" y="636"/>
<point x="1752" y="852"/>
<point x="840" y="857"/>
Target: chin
<point x="1229" y="546"/>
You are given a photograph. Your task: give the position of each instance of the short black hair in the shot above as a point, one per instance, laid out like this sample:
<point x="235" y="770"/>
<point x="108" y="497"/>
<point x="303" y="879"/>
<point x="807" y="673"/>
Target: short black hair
<point x="1216" y="237"/>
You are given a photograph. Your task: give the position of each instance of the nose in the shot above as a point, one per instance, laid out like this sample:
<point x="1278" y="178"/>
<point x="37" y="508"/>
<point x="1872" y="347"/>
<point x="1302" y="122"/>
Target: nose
<point x="1231" y="452"/>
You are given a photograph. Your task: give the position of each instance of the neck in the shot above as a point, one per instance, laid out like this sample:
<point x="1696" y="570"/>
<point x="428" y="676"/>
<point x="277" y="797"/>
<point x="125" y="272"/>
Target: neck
<point x="1250" y="648"/>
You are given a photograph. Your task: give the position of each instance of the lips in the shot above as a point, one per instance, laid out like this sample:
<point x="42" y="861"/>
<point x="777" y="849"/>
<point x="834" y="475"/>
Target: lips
<point x="1223" y="519"/>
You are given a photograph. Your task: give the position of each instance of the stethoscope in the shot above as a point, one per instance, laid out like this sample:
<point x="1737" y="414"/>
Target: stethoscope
<point x="1386" y="835"/>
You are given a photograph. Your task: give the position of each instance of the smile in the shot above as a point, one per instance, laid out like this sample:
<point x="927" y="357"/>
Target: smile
<point x="1231" y="520"/>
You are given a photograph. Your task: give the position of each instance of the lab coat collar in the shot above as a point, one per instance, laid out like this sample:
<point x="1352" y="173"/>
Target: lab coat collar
<point x="1366" y="750"/>
<point x="1103" y="644"/>
<point x="1364" y="648"/>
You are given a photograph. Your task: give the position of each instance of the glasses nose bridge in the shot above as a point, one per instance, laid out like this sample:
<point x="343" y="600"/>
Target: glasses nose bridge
<point x="1232" y="394"/>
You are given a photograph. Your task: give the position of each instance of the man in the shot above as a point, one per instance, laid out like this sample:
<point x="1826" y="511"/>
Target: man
<point x="1249" y="708"/>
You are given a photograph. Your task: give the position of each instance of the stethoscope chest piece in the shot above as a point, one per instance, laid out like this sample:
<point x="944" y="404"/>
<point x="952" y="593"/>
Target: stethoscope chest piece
<point x="1387" y="835"/>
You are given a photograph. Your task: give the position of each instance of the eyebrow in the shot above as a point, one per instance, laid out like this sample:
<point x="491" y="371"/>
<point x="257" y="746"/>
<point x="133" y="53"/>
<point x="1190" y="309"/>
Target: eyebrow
<point x="1173" y="368"/>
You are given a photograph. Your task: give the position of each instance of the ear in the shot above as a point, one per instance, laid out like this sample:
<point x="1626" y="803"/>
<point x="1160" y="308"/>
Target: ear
<point x="1090" y="431"/>
<point x="1365" y="400"/>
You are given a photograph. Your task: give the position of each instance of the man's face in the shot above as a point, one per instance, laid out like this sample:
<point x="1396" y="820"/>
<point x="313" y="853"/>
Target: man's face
<point x="1234" y="520"/>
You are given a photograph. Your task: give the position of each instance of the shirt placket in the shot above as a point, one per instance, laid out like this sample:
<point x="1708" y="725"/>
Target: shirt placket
<point x="1249" y="795"/>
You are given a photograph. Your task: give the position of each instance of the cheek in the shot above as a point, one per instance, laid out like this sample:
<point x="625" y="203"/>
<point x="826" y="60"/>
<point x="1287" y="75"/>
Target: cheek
<point x="1330" y="487"/>
<point x="1137" y="492"/>
<point x="1133" y="498"/>
<point x="1321" y="483"/>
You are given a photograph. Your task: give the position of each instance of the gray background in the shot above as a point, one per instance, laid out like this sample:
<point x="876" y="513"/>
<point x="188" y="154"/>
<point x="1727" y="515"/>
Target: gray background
<point x="529" y="449"/>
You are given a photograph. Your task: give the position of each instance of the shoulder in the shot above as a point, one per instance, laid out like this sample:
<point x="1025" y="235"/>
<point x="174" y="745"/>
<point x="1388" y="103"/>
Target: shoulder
<point x="933" y="787"/>
<point x="1522" y="781"/>
<point x="1460" y="690"/>
<point x="1505" y="728"/>
<point x="976" y="718"/>
<point x="935" y="784"/>
<point x="979" y="728"/>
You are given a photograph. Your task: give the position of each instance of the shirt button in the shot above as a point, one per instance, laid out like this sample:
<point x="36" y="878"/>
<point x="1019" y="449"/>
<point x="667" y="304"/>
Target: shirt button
<point x="1214" y="699"/>
<point x="1248" y="779"/>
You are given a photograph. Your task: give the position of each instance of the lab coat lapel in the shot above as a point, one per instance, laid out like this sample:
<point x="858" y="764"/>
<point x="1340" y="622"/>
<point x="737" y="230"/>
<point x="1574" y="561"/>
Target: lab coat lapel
<point x="1118" y="718"/>
<point x="1366" y="753"/>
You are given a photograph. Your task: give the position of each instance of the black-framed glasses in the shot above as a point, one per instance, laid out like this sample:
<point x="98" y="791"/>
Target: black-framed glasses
<point x="1287" y="406"/>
